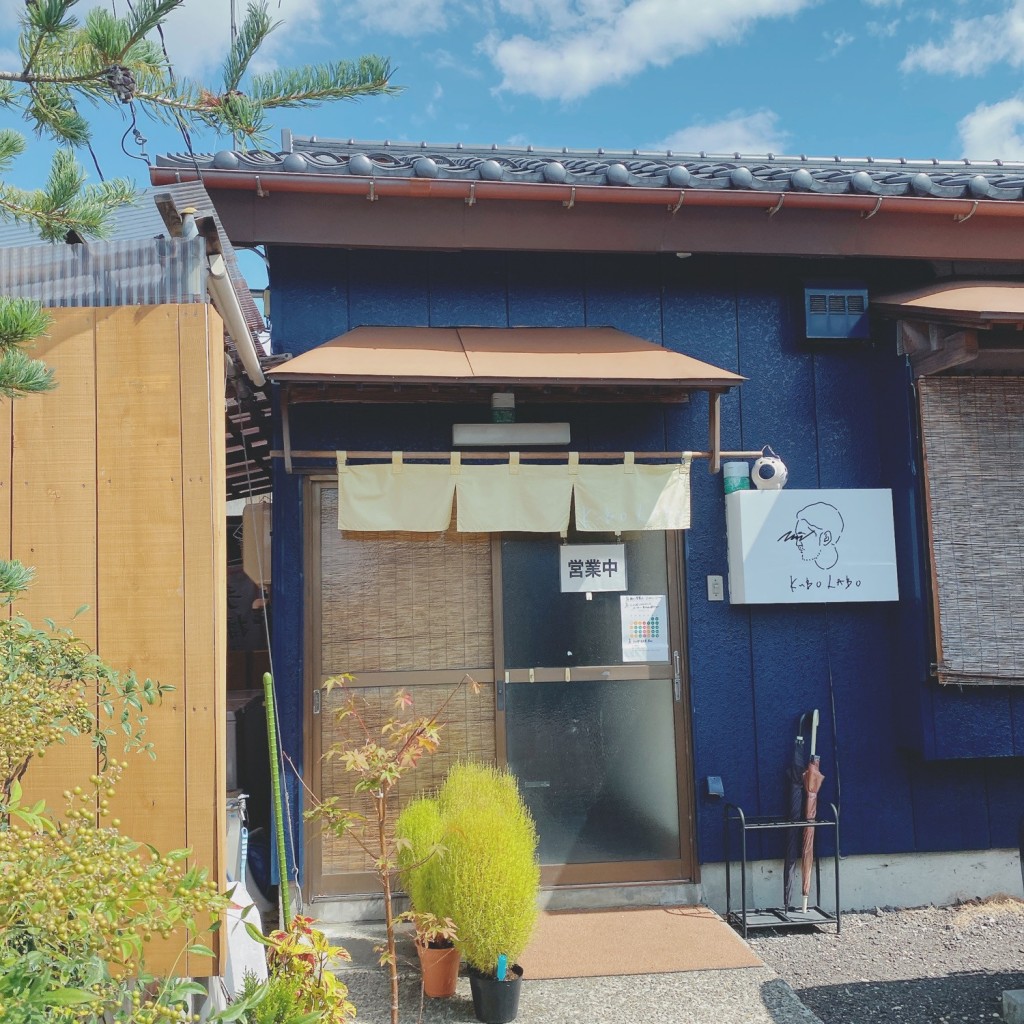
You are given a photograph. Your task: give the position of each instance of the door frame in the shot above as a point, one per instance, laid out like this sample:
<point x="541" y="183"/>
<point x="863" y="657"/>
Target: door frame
<point x="634" y="871"/>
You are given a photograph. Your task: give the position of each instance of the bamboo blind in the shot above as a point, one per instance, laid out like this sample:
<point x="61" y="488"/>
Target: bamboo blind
<point x="973" y="440"/>
<point x="397" y="602"/>
<point x="468" y="732"/>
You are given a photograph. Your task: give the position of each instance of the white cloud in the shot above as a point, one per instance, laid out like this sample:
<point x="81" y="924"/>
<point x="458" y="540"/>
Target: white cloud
<point x="736" y="133"/>
<point x="883" y="29"/>
<point x="884" y="3"/>
<point x="991" y="132"/>
<point x="973" y="45"/>
<point x="435" y="97"/>
<point x="837" y="41"/>
<point x="610" y="40"/>
<point x="398" y="17"/>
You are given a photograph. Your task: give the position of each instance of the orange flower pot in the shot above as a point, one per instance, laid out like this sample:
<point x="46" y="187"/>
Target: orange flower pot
<point x="440" y="967"/>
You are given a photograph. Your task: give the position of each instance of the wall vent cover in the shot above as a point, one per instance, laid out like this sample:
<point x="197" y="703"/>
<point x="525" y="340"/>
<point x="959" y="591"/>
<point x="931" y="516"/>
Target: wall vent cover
<point x="836" y="311"/>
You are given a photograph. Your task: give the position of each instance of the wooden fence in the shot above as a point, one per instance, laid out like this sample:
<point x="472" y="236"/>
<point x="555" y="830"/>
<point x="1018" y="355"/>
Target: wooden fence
<point x="112" y="487"/>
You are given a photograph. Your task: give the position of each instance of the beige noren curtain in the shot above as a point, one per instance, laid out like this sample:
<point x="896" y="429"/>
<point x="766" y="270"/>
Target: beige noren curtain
<point x="513" y="498"/>
<point x="395" y="496"/>
<point x="631" y="497"/>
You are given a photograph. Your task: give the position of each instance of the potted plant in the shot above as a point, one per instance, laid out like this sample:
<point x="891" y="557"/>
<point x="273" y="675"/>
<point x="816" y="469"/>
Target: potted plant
<point x="435" y="946"/>
<point x="488" y="881"/>
<point x="418" y="835"/>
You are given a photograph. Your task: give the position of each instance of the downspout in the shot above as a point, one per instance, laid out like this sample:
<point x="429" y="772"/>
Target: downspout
<point x="225" y="301"/>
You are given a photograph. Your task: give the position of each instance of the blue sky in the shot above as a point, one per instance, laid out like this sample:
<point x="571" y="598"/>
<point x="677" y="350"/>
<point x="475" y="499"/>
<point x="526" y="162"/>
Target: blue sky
<point x="855" y="78"/>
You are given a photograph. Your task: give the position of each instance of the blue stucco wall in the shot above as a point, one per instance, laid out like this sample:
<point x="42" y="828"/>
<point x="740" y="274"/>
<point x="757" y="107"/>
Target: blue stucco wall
<point x="915" y="768"/>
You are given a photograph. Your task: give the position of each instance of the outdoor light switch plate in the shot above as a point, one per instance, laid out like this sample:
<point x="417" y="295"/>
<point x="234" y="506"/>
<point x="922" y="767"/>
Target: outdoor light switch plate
<point x="716" y="588"/>
<point x="715" y="787"/>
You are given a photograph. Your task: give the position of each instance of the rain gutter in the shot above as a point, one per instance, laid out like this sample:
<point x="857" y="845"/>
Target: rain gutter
<point x="569" y="195"/>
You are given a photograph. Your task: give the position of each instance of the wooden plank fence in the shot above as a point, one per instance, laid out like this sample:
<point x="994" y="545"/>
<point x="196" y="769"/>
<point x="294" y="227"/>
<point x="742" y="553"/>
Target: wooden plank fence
<point x="113" y="488"/>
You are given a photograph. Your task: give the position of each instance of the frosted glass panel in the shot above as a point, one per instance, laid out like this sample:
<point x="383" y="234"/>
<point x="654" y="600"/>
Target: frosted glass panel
<point x="597" y="767"/>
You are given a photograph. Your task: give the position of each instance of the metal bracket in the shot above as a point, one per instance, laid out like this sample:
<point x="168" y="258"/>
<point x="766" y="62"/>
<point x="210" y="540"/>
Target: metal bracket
<point x="571" y="201"/>
<point x="317" y="701"/>
<point x="964" y="218"/>
<point x="260" y="190"/>
<point x="372" y="194"/>
<point x="778" y="206"/>
<point x="471" y="198"/>
<point x="679" y="203"/>
<point x="878" y="206"/>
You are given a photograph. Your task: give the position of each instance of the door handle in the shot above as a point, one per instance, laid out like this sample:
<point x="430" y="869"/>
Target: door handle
<point x="677" y="677"/>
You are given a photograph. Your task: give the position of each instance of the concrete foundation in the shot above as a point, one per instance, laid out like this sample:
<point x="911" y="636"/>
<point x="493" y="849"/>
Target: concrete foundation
<point x="904" y="880"/>
<point x="901" y="880"/>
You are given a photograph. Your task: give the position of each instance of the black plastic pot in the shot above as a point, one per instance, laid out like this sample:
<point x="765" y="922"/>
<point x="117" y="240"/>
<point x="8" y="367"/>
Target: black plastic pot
<point x="496" y="1002"/>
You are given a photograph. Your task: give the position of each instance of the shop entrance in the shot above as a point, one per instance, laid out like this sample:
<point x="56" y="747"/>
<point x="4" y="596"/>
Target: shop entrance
<point x="595" y="726"/>
<point x="592" y="697"/>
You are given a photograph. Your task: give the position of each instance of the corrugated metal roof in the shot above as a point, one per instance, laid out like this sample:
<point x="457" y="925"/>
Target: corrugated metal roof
<point x="129" y="272"/>
<point x="142" y="220"/>
<point x="962" y="179"/>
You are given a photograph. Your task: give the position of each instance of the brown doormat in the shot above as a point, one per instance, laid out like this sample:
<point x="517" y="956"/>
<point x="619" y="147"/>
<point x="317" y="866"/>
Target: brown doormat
<point x="647" y="940"/>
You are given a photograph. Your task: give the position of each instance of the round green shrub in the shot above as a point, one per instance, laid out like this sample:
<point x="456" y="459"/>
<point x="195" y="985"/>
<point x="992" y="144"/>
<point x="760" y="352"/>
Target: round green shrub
<point x="489" y="877"/>
<point x="420" y="830"/>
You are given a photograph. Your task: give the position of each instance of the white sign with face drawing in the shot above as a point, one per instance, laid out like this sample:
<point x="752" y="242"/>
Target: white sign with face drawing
<point x="800" y="547"/>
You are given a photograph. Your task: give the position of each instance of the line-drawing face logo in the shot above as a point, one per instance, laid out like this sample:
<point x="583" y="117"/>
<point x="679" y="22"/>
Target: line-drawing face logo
<point x="816" y="534"/>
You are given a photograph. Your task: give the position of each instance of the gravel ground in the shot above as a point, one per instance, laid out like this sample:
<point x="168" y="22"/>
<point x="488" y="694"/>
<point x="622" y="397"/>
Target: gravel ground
<point x="929" y="965"/>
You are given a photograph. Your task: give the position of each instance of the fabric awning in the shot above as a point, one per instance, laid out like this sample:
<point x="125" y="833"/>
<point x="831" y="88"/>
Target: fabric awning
<point x="561" y="358"/>
<point x="973" y="303"/>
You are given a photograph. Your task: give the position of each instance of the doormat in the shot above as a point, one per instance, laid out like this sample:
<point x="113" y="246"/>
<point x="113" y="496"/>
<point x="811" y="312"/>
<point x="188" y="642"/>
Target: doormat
<point x="646" y="940"/>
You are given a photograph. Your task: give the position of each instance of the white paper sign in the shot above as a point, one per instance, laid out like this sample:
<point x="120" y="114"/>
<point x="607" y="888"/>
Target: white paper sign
<point x="587" y="568"/>
<point x="801" y="546"/>
<point x="644" y="627"/>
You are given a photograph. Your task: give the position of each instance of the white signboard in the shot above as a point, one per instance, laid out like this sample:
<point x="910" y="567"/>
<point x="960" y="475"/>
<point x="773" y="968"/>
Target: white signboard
<point x="587" y="568"/>
<point x="644" y="627"/>
<point x="800" y="547"/>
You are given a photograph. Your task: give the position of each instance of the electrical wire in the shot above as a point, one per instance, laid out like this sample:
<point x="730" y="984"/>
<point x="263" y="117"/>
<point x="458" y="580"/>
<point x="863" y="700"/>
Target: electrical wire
<point x="133" y="127"/>
<point x="828" y="645"/>
<point x="95" y="161"/>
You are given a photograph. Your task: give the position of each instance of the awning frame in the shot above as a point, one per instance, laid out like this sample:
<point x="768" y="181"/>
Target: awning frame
<point x="542" y="365"/>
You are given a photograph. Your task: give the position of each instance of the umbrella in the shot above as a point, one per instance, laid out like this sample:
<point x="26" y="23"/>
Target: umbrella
<point x="812" y="783"/>
<point x="795" y="797"/>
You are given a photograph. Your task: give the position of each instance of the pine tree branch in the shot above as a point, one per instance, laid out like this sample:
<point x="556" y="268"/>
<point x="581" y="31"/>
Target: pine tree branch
<point x="317" y="83"/>
<point x="22" y="375"/>
<point x="21" y="320"/>
<point x="252" y="34"/>
<point x="15" y="579"/>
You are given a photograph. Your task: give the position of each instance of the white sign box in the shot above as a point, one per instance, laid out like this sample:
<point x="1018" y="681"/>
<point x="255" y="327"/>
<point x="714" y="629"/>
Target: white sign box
<point x="587" y="568"/>
<point x="800" y="547"/>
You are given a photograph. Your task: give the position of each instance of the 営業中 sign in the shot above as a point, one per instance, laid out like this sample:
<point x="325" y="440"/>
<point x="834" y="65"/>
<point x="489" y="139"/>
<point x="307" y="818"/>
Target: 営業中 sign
<point x="586" y="568"/>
